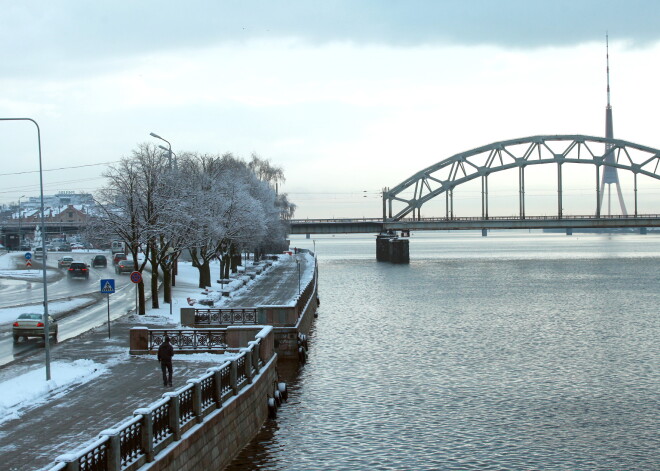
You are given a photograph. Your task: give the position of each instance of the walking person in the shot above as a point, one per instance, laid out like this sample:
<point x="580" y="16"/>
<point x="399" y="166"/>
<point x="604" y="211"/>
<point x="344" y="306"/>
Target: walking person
<point x="165" y="354"/>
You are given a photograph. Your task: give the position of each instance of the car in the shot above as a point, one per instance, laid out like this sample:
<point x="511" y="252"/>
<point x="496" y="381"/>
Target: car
<point x="124" y="266"/>
<point x="38" y="252"/>
<point x="99" y="261"/>
<point x="78" y="270"/>
<point x="32" y="324"/>
<point x="64" y="262"/>
<point x="117" y="257"/>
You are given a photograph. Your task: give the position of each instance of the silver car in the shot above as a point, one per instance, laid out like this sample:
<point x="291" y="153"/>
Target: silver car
<point x="32" y="325"/>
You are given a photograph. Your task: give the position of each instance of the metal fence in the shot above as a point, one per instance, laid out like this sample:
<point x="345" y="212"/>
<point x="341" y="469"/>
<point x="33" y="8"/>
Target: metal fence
<point x="234" y="316"/>
<point x="189" y="339"/>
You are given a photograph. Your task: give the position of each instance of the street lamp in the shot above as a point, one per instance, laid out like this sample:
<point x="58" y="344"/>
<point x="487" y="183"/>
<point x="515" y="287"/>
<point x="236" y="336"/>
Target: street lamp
<point x="171" y="152"/>
<point x="20" y="219"/>
<point x="153" y="134"/>
<point x="43" y="245"/>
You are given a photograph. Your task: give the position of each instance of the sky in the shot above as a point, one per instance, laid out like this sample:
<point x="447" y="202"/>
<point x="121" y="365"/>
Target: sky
<point x="348" y="97"/>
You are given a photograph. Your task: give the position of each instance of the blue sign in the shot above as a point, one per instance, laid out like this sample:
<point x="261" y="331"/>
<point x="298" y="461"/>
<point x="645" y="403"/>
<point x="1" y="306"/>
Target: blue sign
<point x="107" y="286"/>
<point x="28" y="255"/>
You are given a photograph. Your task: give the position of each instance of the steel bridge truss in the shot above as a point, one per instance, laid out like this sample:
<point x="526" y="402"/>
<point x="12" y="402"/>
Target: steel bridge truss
<point x="447" y="174"/>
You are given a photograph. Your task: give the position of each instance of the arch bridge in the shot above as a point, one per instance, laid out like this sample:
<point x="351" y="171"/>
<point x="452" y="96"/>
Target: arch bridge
<point x="443" y="177"/>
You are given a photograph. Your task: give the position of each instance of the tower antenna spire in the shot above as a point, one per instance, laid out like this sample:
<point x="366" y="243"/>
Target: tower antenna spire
<point x="607" y="58"/>
<point x="610" y="174"/>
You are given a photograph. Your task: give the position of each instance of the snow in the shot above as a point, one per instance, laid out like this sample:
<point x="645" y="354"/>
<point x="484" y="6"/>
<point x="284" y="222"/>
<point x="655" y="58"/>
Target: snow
<point x="30" y="389"/>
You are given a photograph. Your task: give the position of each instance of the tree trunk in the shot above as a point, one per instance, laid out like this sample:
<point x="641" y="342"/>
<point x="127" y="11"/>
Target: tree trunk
<point x="225" y="265"/>
<point x="141" y="301"/>
<point x="205" y="274"/>
<point x="154" y="287"/>
<point x="167" y="280"/>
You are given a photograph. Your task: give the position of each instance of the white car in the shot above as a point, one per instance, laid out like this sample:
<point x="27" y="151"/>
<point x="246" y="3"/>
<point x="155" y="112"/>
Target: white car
<point x="64" y="262"/>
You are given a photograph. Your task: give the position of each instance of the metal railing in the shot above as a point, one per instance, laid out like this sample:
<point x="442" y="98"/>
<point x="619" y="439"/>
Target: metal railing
<point x="137" y="440"/>
<point x="236" y="316"/>
<point x="189" y="339"/>
<point x="474" y="218"/>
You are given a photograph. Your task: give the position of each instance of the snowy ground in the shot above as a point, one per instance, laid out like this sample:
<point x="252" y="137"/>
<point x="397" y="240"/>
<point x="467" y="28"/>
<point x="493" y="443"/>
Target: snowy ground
<point x="32" y="388"/>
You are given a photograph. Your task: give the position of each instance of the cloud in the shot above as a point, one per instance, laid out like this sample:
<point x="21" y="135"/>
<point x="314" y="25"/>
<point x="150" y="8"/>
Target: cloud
<point x="79" y="37"/>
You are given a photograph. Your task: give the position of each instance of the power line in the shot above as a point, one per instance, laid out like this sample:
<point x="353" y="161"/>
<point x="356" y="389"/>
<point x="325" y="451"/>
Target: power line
<point x="56" y="169"/>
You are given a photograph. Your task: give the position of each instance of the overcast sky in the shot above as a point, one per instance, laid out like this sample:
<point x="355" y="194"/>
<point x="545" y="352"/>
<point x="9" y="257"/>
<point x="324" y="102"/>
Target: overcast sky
<point x="347" y="96"/>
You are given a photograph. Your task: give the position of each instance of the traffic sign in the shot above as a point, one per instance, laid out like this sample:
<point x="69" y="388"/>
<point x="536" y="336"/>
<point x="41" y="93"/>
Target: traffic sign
<point x="28" y="263"/>
<point x="108" y="286"/>
<point x="28" y="255"/>
<point x="136" y="277"/>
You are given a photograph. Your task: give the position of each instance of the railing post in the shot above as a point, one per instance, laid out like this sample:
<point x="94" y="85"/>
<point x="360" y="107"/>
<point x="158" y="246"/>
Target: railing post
<point x="248" y="364"/>
<point x="147" y="432"/>
<point x="197" y="399"/>
<point x="175" y="425"/>
<point x="113" y="450"/>
<point x="233" y="376"/>
<point x="217" y="386"/>
<point x="71" y="460"/>
<point x="255" y="355"/>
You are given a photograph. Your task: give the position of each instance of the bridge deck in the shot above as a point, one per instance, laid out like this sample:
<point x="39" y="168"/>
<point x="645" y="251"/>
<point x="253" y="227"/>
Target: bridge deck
<point x="377" y="225"/>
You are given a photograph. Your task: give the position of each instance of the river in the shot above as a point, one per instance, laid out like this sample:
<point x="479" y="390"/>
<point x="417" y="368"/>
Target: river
<point x="515" y="351"/>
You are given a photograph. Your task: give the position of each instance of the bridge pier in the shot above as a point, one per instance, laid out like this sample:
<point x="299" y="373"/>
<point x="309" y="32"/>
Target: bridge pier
<point x="484" y="232"/>
<point x="389" y="248"/>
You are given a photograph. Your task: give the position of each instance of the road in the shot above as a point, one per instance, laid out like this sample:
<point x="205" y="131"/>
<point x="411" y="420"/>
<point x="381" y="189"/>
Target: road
<point x="71" y="324"/>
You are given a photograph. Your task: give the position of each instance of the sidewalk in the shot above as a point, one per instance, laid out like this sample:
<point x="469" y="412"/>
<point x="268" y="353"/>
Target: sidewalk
<point x="75" y="415"/>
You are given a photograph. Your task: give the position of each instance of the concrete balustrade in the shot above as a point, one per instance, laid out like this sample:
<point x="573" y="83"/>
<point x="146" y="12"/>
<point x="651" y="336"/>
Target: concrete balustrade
<point x="208" y="439"/>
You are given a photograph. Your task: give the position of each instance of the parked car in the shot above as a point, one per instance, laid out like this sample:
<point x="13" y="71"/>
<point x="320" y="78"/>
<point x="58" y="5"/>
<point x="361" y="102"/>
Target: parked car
<point x="64" y="262"/>
<point x="99" y="261"/>
<point x="38" y="252"/>
<point x="124" y="266"/>
<point x="117" y="257"/>
<point x="32" y="325"/>
<point x="78" y="270"/>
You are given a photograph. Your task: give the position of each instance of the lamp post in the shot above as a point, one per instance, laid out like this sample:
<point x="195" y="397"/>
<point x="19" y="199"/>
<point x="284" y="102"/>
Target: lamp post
<point x="20" y="220"/>
<point x="153" y="134"/>
<point x="43" y="245"/>
<point x="171" y="153"/>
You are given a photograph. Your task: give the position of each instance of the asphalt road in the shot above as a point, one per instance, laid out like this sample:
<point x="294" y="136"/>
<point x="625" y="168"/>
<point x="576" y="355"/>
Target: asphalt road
<point x="73" y="323"/>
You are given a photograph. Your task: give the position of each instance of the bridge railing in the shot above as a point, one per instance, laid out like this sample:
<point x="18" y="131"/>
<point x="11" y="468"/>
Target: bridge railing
<point x="477" y="218"/>
<point x="136" y="441"/>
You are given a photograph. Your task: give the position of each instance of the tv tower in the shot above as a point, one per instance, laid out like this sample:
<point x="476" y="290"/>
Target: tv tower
<point x="610" y="175"/>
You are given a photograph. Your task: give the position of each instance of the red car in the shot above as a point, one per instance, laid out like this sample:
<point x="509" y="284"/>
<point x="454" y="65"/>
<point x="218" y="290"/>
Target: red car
<point x="118" y="257"/>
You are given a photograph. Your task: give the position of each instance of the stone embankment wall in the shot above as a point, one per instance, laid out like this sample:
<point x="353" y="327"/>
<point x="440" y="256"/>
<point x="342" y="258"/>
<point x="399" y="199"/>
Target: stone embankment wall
<point x="223" y="434"/>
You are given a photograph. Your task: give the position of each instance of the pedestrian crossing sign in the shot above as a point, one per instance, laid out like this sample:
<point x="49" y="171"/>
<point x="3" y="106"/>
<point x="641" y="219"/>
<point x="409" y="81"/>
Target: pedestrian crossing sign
<point x="107" y="286"/>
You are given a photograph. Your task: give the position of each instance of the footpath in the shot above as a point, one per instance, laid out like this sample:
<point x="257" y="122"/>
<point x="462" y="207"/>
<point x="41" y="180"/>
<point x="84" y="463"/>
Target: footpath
<point x="74" y="415"/>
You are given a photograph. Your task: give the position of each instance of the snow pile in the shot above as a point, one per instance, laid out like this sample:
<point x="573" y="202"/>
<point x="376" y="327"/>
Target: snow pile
<point x="31" y="389"/>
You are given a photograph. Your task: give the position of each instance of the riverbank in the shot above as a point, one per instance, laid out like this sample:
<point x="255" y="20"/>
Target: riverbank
<point x="88" y="404"/>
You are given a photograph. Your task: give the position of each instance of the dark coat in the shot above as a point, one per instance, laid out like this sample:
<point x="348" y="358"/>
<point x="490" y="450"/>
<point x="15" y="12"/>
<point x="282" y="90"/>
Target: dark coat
<point x="165" y="353"/>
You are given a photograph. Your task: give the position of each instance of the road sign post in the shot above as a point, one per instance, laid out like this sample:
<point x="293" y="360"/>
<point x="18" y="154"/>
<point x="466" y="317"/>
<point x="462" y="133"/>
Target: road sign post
<point x="108" y="288"/>
<point x="136" y="277"/>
